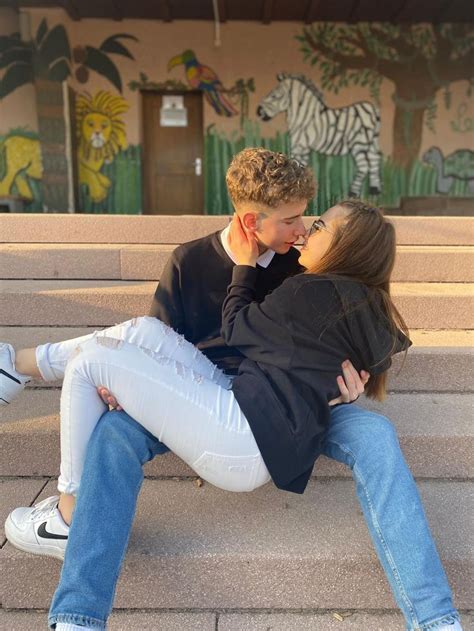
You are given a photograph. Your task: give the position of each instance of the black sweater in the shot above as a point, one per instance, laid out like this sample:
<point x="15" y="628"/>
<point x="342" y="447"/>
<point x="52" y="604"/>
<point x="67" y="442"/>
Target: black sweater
<point x="193" y="287"/>
<point x="294" y="343"/>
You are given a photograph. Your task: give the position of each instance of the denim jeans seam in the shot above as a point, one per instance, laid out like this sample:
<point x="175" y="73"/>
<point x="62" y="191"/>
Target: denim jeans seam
<point x="125" y="547"/>
<point x="357" y="473"/>
<point x="386" y="549"/>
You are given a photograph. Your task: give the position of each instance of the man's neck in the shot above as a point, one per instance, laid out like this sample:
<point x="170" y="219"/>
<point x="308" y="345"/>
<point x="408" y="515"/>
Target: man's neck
<point x="261" y="248"/>
<point x="265" y="254"/>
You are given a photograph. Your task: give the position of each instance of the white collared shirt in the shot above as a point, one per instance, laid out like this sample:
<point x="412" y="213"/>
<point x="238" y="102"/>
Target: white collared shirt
<point x="263" y="260"/>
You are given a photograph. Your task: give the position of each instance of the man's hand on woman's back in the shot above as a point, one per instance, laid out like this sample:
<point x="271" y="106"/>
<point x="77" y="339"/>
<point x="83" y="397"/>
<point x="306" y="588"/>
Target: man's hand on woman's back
<point x="351" y="384"/>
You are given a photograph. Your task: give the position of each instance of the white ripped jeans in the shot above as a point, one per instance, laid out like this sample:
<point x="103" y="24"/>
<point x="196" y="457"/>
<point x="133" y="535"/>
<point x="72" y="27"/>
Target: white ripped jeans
<point x="167" y="385"/>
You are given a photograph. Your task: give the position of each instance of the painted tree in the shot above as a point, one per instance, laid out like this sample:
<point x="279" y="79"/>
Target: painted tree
<point x="49" y="57"/>
<point x="420" y="60"/>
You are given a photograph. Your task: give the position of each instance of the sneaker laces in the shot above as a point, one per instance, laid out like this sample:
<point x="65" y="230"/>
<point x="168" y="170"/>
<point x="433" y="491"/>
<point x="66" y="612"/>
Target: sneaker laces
<point x="45" y="508"/>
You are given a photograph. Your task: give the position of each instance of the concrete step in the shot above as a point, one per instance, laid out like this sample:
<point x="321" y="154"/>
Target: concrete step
<point x="313" y="551"/>
<point x="120" y="620"/>
<point x="83" y="261"/>
<point x="102" y="303"/>
<point x="70" y="228"/>
<point x="146" y="262"/>
<point x="144" y="621"/>
<point x="439" y="361"/>
<point x="436" y="434"/>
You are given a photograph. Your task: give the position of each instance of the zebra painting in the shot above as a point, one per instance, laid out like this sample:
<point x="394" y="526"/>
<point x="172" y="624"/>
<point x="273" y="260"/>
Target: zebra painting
<point x="312" y="125"/>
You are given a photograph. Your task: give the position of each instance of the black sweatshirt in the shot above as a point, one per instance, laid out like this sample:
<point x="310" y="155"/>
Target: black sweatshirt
<point x="193" y="287"/>
<point x="294" y="343"/>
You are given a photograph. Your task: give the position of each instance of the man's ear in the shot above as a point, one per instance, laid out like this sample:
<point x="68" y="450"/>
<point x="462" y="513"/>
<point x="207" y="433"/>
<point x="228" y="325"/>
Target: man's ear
<point x="249" y="221"/>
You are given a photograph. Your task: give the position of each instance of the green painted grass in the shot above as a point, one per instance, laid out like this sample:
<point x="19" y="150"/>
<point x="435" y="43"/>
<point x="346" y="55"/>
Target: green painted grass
<point x="125" y="194"/>
<point x="333" y="174"/>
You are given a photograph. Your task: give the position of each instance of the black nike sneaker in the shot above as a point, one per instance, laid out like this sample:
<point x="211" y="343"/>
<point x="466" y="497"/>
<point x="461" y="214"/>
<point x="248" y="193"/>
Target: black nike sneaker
<point x="38" y="529"/>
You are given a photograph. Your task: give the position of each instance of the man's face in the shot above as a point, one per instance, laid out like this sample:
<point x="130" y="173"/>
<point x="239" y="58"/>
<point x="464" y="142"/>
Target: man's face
<point x="281" y="227"/>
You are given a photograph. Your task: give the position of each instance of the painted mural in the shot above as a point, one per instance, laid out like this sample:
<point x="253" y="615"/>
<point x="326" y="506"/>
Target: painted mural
<point x="362" y="104"/>
<point x="101" y="133"/>
<point x="313" y="126"/>
<point x="457" y="166"/>
<point x="109" y="169"/>
<point x="48" y="56"/>
<point x="200" y="77"/>
<point x="341" y="144"/>
<point x="419" y="60"/>
<point x="21" y="167"/>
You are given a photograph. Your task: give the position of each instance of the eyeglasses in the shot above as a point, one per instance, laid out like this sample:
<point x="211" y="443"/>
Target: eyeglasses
<point x="318" y="224"/>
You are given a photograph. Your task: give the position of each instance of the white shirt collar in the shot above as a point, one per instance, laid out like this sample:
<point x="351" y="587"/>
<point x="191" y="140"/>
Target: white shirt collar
<point x="263" y="260"/>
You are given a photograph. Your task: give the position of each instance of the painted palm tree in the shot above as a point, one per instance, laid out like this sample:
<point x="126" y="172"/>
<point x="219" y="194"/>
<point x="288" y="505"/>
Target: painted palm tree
<point x="48" y="57"/>
<point x="200" y="77"/>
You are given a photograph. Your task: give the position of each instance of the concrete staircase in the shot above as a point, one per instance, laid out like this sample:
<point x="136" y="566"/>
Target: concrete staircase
<point x="200" y="558"/>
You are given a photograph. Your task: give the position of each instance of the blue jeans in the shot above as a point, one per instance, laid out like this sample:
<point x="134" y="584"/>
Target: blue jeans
<point x="364" y="441"/>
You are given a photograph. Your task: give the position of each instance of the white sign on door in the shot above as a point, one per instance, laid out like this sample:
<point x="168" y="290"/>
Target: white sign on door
<point x="173" y="113"/>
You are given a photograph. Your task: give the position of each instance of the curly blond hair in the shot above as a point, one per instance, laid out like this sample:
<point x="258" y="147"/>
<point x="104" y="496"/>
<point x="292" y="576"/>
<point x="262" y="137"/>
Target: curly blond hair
<point x="269" y="178"/>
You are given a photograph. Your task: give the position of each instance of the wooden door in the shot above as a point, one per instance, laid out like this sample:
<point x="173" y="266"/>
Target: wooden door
<point x="173" y="158"/>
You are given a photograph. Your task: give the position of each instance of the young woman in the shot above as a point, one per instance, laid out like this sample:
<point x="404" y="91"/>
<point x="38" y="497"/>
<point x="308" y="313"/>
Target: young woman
<point x="266" y="423"/>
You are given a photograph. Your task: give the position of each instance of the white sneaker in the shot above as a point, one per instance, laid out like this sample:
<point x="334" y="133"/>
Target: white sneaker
<point x="11" y="382"/>
<point x="39" y="529"/>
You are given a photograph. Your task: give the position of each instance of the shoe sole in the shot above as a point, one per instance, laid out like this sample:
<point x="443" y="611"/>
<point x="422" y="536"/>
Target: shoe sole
<point x="32" y="548"/>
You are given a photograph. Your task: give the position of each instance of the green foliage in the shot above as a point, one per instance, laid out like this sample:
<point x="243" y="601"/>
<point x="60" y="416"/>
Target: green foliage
<point x="218" y="152"/>
<point x="340" y="41"/>
<point x="144" y="83"/>
<point x="15" y="76"/>
<point x="354" y="54"/>
<point x="99" y="62"/>
<point x="334" y="174"/>
<point x="112" y="45"/>
<point x="12" y="41"/>
<point x="15" y="55"/>
<point x="24" y="132"/>
<point x="41" y="32"/>
<point x="53" y="48"/>
<point x="49" y="57"/>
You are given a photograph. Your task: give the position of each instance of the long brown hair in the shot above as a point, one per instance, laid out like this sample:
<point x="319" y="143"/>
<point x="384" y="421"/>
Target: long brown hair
<point x="363" y="249"/>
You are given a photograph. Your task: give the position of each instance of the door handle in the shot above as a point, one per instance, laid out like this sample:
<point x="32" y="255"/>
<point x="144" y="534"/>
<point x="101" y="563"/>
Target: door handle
<point x="198" y="166"/>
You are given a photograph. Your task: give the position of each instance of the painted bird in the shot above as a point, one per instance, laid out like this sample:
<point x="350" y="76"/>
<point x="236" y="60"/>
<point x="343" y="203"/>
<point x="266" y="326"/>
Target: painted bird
<point x="205" y="79"/>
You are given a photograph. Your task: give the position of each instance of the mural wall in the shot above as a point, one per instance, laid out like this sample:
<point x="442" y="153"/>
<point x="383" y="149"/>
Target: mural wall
<point x="376" y="110"/>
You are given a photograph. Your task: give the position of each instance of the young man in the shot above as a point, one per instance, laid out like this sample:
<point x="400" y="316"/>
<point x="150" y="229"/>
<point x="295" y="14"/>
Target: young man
<point x="270" y="193"/>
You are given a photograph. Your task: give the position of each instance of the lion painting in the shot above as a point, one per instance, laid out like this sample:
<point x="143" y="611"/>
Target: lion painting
<point x="20" y="159"/>
<point x="101" y="134"/>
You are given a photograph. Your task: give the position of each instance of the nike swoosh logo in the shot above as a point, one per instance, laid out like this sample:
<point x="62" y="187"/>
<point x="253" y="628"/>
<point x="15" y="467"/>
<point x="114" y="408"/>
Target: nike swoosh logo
<point x="48" y="535"/>
<point x="7" y="374"/>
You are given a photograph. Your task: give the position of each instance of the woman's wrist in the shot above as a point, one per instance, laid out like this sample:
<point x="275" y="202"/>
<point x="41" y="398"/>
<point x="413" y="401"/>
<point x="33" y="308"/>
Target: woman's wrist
<point x="247" y="263"/>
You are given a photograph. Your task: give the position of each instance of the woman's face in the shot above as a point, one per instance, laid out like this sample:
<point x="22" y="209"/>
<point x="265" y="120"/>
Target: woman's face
<point x="316" y="245"/>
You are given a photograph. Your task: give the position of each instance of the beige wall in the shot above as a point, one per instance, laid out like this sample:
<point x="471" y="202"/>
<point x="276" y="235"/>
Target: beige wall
<point x="248" y="50"/>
